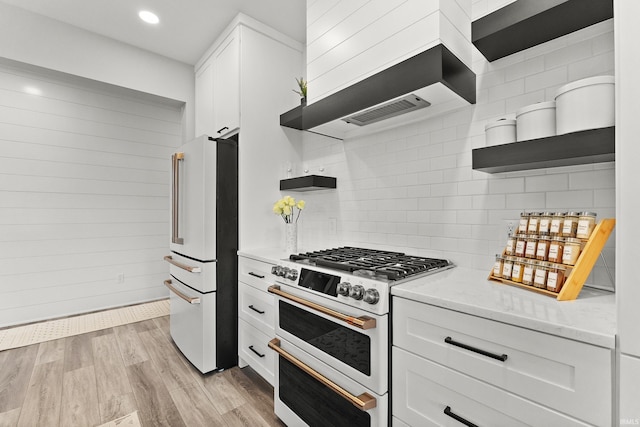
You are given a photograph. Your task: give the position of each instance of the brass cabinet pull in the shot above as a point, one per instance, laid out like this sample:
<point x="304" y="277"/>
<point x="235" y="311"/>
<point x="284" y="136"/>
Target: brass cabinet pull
<point x="175" y="195"/>
<point x="364" y="402"/>
<point x="190" y="300"/>
<point x="362" y="322"/>
<point x="190" y="269"/>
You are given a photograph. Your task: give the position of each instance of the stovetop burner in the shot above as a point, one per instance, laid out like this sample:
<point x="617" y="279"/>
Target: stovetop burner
<point x="390" y="265"/>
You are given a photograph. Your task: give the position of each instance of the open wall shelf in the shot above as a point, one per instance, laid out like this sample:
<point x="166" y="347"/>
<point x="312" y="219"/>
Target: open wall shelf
<point x="308" y="183"/>
<point x="527" y="23"/>
<point x="575" y="148"/>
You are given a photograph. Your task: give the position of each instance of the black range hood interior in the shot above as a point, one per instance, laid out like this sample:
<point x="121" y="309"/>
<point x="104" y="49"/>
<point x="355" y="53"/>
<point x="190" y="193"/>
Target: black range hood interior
<point x="435" y="65"/>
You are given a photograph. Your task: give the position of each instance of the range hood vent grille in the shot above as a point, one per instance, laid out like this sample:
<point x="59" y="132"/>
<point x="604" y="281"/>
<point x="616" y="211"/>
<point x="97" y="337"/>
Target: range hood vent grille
<point x="387" y="110"/>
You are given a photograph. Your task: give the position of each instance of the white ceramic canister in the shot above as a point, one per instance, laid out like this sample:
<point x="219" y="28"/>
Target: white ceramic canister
<point x="585" y="104"/>
<point x="536" y="121"/>
<point x="502" y="131"/>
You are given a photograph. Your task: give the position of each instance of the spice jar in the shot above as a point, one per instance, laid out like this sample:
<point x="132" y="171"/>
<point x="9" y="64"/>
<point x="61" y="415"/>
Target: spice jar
<point x="507" y="267"/>
<point x="542" y="252"/>
<point x="497" y="267"/>
<point x="557" y="221"/>
<point x="524" y="223"/>
<point x="531" y="246"/>
<point x="570" y="224"/>
<point x="527" y="274"/>
<point x="534" y="219"/>
<point x="586" y="224"/>
<point x="510" y="249"/>
<point x="544" y="225"/>
<point x="555" y="278"/>
<point x="571" y="252"/>
<point x="556" y="249"/>
<point x="521" y="242"/>
<point x="540" y="275"/>
<point x="518" y="270"/>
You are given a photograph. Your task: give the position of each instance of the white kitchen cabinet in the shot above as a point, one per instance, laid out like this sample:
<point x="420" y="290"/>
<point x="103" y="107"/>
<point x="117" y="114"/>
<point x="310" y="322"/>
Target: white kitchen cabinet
<point x="629" y="390"/>
<point x="217" y="96"/>
<point x="226" y="86"/>
<point x="255" y="316"/>
<point x="496" y="373"/>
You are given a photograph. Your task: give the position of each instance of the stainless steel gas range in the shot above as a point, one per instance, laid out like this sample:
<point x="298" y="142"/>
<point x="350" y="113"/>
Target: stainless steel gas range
<point x="332" y="333"/>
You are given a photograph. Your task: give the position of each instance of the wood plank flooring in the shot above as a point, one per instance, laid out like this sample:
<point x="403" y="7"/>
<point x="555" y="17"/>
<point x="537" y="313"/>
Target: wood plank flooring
<point x="90" y="379"/>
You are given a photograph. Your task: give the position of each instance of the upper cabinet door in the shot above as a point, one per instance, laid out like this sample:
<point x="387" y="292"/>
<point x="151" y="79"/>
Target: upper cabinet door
<point x="226" y="86"/>
<point x="204" y="100"/>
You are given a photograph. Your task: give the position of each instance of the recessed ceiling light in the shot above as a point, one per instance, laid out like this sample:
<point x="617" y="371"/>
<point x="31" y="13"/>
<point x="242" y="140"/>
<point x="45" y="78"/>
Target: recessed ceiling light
<point x="148" y="17"/>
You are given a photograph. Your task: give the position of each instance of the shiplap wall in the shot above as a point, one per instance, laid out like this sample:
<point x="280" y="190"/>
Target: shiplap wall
<point x="84" y="188"/>
<point x="412" y="188"/>
<point x="349" y="40"/>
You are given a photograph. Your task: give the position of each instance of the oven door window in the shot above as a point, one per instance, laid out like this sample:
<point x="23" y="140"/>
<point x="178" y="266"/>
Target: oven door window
<point x="315" y="403"/>
<point x="348" y="346"/>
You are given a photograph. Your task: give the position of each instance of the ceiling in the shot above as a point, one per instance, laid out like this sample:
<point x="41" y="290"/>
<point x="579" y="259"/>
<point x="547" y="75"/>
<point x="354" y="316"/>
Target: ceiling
<point x="187" y="27"/>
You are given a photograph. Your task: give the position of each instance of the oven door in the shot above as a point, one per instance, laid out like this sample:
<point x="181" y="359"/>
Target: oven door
<point x="308" y="392"/>
<point x="348" y="339"/>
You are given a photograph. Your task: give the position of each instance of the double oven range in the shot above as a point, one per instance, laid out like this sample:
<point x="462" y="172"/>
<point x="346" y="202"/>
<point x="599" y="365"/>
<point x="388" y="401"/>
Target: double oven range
<point x="332" y="334"/>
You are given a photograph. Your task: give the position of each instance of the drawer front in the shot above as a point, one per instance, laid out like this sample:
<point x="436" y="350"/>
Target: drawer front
<point x="428" y="394"/>
<point x="255" y="273"/>
<point x="573" y="377"/>
<point x="198" y="275"/>
<point x="253" y="348"/>
<point x="256" y="308"/>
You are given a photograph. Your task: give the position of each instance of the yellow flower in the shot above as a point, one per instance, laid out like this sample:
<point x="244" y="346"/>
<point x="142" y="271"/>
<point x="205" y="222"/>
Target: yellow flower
<point x="287" y="210"/>
<point x="290" y="201"/>
<point x="300" y="204"/>
<point x="277" y="209"/>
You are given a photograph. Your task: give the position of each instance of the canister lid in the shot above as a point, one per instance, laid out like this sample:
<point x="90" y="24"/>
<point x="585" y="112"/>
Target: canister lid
<point x="588" y="214"/>
<point x="501" y="122"/>
<point x="589" y="81"/>
<point x="536" y="107"/>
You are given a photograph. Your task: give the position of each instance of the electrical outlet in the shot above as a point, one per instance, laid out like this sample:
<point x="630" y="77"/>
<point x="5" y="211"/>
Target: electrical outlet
<point x="508" y="227"/>
<point x="120" y="278"/>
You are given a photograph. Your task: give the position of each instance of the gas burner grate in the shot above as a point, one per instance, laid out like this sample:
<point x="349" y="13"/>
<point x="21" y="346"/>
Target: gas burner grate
<point x="391" y="265"/>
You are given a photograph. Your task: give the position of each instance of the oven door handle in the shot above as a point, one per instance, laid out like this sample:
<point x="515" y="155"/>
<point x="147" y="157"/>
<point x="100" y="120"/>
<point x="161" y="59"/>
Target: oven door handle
<point x="362" y="322"/>
<point x="190" y="300"/>
<point x="190" y="269"/>
<point x="364" y="402"/>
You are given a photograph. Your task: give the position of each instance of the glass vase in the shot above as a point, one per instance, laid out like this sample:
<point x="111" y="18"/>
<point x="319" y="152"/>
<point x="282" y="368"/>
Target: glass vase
<point x="291" y="238"/>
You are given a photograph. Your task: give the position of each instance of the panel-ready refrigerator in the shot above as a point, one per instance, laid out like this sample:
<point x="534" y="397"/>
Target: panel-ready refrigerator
<point x="203" y="281"/>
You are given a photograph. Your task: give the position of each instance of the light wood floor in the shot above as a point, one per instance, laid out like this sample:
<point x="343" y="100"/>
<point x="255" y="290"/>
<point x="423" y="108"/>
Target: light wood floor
<point x="87" y="380"/>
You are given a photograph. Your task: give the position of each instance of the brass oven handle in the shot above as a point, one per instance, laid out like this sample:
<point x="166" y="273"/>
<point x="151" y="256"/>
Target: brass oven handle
<point x="190" y="269"/>
<point x="175" y="194"/>
<point x="190" y="300"/>
<point x="362" y="322"/>
<point x="364" y="402"/>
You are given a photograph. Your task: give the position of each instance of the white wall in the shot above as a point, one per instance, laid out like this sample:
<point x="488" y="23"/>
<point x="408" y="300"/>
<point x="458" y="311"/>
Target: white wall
<point x="45" y="42"/>
<point x="412" y="188"/>
<point x="84" y="176"/>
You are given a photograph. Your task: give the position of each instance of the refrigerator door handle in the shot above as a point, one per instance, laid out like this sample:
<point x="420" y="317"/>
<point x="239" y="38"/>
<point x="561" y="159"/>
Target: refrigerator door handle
<point x="190" y="300"/>
<point x="175" y="195"/>
<point x="186" y="267"/>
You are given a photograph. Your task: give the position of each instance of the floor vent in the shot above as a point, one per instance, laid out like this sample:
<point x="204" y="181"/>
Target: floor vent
<point x="387" y="110"/>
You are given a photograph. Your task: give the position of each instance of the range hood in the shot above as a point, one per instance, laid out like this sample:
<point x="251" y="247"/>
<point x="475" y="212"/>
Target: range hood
<point x="429" y="83"/>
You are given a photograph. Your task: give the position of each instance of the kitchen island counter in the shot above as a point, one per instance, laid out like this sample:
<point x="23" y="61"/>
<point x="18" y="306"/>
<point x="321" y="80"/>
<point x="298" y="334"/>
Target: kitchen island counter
<point x="591" y="318"/>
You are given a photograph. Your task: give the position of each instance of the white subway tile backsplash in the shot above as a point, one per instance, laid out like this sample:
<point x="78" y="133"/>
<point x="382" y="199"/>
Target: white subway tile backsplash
<point x="578" y="199"/>
<point x="552" y="77"/>
<point x="554" y="182"/>
<point x="413" y="188"/>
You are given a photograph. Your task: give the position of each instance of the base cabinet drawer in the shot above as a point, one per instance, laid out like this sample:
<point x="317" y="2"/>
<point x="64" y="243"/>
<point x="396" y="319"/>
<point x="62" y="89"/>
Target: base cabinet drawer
<point x="253" y="348"/>
<point x="255" y="273"/>
<point x="569" y="376"/>
<point x="428" y="394"/>
<point x="256" y="307"/>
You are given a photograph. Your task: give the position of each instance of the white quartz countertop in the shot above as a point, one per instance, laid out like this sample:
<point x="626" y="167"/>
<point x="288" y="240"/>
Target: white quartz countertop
<point x="591" y="318"/>
<point x="270" y="255"/>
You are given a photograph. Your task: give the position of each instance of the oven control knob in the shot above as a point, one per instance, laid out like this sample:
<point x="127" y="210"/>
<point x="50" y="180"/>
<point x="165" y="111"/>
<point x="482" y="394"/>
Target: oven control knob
<point x="343" y="288"/>
<point x="371" y="296"/>
<point x="356" y="292"/>
<point x="277" y="270"/>
<point x="292" y="274"/>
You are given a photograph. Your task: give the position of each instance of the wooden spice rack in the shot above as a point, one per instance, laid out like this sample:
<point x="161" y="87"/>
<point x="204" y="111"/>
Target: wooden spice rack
<point x="580" y="271"/>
